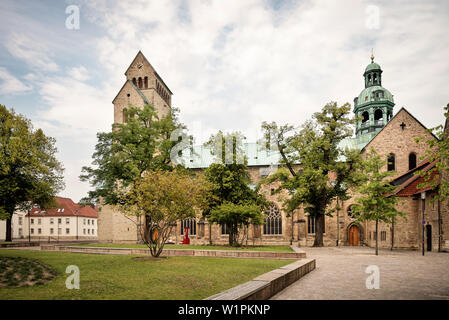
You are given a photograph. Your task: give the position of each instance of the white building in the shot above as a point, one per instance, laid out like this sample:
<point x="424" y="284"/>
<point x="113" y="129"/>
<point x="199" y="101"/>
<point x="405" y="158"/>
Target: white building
<point x="68" y="221"/>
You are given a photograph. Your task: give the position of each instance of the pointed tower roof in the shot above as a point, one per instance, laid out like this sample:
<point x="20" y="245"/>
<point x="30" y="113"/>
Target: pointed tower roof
<point x="142" y="56"/>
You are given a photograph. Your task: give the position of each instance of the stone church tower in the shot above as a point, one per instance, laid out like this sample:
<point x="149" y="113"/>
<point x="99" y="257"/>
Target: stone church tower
<point x="143" y="85"/>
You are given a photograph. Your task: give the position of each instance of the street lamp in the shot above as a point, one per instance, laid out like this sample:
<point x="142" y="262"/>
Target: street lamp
<point x="423" y="198"/>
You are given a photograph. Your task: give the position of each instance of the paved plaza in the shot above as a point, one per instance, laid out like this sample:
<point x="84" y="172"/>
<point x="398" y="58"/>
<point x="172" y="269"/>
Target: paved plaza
<point x="340" y="274"/>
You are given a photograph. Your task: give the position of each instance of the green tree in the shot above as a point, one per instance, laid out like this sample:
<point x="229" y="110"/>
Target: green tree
<point x="30" y="174"/>
<point x="376" y="203"/>
<point x="235" y="217"/>
<point x="438" y="150"/>
<point x="232" y="201"/>
<point x="121" y="156"/>
<point x="163" y="198"/>
<point x="314" y="170"/>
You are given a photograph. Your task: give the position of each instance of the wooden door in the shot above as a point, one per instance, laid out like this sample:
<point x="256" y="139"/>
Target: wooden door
<point x="354" y="236"/>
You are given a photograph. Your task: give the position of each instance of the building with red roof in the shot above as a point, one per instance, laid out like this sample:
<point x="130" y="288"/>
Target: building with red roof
<point x="67" y="221"/>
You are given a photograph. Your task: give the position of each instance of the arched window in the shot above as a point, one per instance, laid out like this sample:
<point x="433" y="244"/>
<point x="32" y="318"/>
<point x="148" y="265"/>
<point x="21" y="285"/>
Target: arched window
<point x="412" y="161"/>
<point x="365" y="116"/>
<point x="125" y="115"/>
<point x="273" y="221"/>
<point x="135" y="81"/>
<point x="140" y="83"/>
<point x="189" y="223"/>
<point x="391" y="162"/>
<point x="378" y="114"/>
<point x="145" y="82"/>
<point x="389" y="115"/>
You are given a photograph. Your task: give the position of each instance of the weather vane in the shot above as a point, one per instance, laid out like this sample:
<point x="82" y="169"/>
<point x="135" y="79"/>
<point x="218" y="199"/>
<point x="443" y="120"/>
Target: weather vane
<point x="372" y="55"/>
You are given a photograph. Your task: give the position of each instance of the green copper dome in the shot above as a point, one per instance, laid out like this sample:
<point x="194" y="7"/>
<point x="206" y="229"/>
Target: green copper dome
<point x="374" y="93"/>
<point x="372" y="66"/>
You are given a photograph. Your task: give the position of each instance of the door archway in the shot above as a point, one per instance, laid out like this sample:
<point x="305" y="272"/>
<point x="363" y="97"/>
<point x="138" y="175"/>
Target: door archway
<point x="429" y="237"/>
<point x="354" y="235"/>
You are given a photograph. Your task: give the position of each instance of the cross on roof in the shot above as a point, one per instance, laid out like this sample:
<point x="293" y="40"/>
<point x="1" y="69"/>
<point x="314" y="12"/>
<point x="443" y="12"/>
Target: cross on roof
<point x="403" y="125"/>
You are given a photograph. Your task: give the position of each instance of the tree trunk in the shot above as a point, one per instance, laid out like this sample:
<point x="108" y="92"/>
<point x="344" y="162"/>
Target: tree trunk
<point x="319" y="230"/>
<point x="377" y="237"/>
<point x="8" y="229"/>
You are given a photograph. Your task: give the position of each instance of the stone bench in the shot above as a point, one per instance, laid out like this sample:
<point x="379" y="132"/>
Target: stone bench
<point x="267" y="285"/>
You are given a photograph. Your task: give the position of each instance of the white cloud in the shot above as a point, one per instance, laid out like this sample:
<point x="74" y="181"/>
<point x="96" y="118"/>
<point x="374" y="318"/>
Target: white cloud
<point x="34" y="53"/>
<point x="79" y="73"/>
<point x="10" y="84"/>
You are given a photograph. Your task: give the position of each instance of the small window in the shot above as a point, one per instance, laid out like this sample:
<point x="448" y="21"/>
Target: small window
<point x="383" y="236"/>
<point x="59" y="231"/>
<point x="412" y="161"/>
<point x="84" y="221"/>
<point x="88" y="231"/>
<point x="32" y="221"/>
<point x="67" y="220"/>
<point x="350" y="211"/>
<point x="391" y="163"/>
<point x="84" y="231"/>
<point x="39" y="231"/>
<point x="224" y="229"/>
<point x="32" y="230"/>
<point x="125" y="115"/>
<point x="52" y="231"/>
<point x="52" y="221"/>
<point x="93" y="231"/>
<point x="88" y="221"/>
<point x="39" y="221"/>
<point x="67" y="231"/>
<point x="20" y="232"/>
<point x="20" y="221"/>
<point x="59" y="220"/>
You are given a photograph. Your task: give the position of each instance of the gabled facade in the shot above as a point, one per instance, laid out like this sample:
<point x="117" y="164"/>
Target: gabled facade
<point x="142" y="86"/>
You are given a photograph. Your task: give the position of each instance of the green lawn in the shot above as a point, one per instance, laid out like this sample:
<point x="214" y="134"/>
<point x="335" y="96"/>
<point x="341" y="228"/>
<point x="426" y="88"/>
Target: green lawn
<point x="199" y="247"/>
<point x="120" y="277"/>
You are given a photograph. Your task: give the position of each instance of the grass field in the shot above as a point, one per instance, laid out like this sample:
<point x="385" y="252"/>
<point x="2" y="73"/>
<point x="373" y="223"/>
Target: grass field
<point x="121" y="277"/>
<point x="199" y="247"/>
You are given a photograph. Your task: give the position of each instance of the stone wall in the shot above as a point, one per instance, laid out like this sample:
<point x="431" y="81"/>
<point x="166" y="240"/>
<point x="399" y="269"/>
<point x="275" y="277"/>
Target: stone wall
<point x="400" y="142"/>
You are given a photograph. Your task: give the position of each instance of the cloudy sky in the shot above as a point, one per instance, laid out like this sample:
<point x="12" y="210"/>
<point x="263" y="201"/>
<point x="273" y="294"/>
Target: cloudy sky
<point x="230" y="64"/>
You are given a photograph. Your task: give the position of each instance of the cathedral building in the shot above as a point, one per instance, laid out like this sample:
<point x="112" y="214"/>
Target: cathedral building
<point x="390" y="135"/>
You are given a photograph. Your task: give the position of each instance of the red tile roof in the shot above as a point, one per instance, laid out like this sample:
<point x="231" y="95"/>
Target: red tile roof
<point x="410" y="186"/>
<point x="66" y="208"/>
